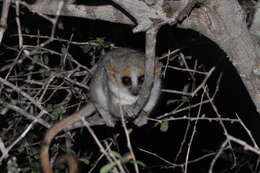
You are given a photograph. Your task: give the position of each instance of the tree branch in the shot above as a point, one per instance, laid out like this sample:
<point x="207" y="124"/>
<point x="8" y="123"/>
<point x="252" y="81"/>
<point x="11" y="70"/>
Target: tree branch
<point x="227" y="29"/>
<point x="4" y="16"/>
<point x="99" y="12"/>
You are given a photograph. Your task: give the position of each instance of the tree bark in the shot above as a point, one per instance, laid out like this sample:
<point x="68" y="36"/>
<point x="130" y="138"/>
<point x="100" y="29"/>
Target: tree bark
<point x="223" y="22"/>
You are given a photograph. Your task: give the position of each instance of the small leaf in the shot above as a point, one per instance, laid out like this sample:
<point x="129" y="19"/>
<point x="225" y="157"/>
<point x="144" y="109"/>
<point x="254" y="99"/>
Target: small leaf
<point x="138" y="162"/>
<point x="46" y="60"/>
<point x="21" y="149"/>
<point x="116" y="154"/>
<point x="85" y="160"/>
<point x="55" y="114"/>
<point x="34" y="150"/>
<point x="164" y="126"/>
<point x="107" y="167"/>
<point x="143" y="113"/>
<point x="188" y="57"/>
<point x="85" y="49"/>
<point x="185" y="90"/>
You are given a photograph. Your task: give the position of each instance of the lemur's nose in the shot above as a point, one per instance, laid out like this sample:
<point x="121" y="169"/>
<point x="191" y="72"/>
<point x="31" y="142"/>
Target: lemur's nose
<point x="134" y="91"/>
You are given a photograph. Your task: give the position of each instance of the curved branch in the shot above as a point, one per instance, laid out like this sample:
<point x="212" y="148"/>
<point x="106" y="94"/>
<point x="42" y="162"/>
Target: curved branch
<point x="226" y="27"/>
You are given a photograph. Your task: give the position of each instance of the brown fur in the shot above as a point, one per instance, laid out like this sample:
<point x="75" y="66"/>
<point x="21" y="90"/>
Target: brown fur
<point x="52" y="132"/>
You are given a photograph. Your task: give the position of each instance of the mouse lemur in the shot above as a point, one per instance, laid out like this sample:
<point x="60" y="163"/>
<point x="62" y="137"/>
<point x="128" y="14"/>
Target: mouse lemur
<point x="115" y="87"/>
<point x="117" y="82"/>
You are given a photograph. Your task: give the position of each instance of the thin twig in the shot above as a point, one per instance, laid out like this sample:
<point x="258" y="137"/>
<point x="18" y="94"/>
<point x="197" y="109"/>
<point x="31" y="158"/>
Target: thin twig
<point x="194" y="131"/>
<point x="18" y="90"/>
<point x="221" y="149"/>
<point x="26" y="114"/>
<point x="244" y="144"/>
<point x="129" y="145"/>
<point x="102" y="149"/>
<point x="248" y="131"/>
<point x="17" y="18"/>
<point x="3" y="149"/>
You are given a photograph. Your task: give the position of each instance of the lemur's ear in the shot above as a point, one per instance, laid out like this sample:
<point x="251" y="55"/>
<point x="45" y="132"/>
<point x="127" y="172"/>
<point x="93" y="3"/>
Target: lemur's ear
<point x="110" y="67"/>
<point x="158" y="67"/>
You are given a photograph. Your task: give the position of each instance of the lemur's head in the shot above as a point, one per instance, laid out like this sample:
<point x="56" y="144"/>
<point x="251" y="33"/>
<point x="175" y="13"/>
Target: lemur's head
<point x="126" y="72"/>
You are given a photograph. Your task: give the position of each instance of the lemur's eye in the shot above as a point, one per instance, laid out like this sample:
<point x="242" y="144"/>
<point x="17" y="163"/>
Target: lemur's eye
<point x="141" y="80"/>
<point x="126" y="80"/>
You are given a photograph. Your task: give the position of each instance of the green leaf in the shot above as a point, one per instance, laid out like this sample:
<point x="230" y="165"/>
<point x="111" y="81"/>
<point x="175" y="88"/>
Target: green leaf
<point x="46" y="60"/>
<point x="185" y="90"/>
<point x="138" y="162"/>
<point x="21" y="149"/>
<point x="55" y="114"/>
<point x="164" y="126"/>
<point x="85" y="48"/>
<point x="107" y="167"/>
<point x="85" y="160"/>
<point x="34" y="150"/>
<point x="143" y="113"/>
<point x="116" y="154"/>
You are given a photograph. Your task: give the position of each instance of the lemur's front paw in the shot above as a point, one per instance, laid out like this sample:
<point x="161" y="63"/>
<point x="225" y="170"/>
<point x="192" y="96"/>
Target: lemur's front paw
<point x="129" y="111"/>
<point x="140" y="121"/>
